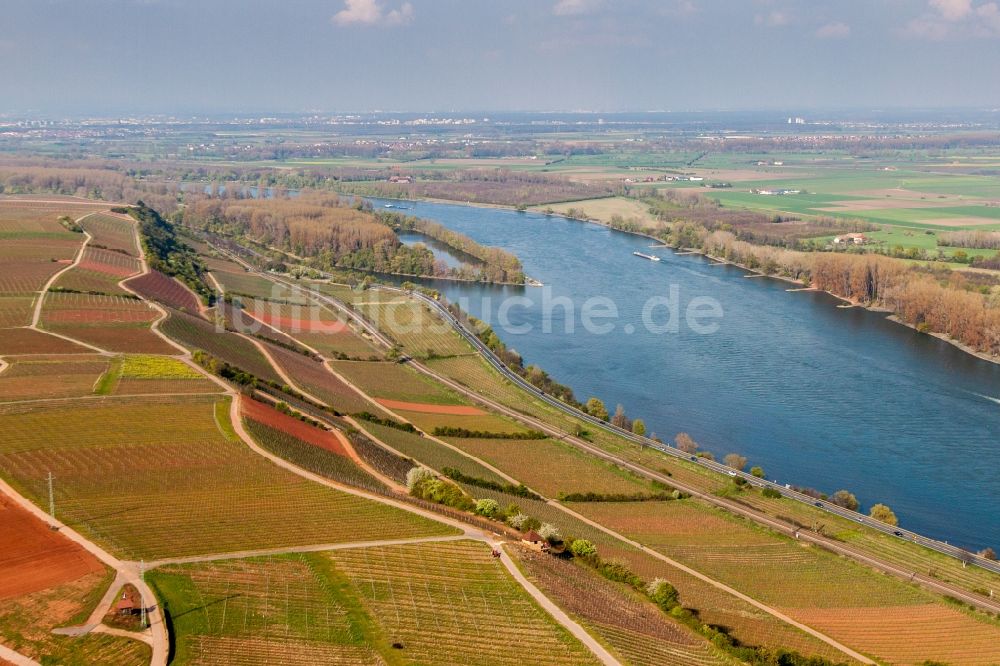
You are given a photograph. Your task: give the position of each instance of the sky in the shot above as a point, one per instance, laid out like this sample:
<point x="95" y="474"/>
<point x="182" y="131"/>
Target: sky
<point x="253" y="56"/>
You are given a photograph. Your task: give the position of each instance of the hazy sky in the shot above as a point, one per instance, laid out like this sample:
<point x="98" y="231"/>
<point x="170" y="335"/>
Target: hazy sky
<point x="118" y="56"/>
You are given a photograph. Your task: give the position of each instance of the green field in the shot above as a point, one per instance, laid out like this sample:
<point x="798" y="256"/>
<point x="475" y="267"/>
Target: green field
<point x="289" y="609"/>
<point x="395" y="381"/>
<point x="159" y="477"/>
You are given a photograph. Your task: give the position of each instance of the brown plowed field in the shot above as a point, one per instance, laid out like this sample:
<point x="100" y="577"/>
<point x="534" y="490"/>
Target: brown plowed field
<point x="258" y="411"/>
<point x="427" y="408"/>
<point x="33" y="557"/>
<point x="158" y="287"/>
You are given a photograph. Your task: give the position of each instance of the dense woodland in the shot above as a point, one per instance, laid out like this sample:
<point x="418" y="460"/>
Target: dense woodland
<point x="485" y="186"/>
<point x="329" y="231"/>
<point x="947" y="303"/>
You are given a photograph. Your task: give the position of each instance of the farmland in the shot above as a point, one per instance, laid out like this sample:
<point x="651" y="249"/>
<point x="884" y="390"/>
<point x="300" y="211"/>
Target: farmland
<point x="313" y="376"/>
<point x="453" y="604"/>
<point x="137" y="375"/>
<point x="636" y="629"/>
<point x="112" y="233"/>
<point x="197" y="333"/>
<point x="29" y="341"/>
<point x="551" y="467"/>
<point x="418" y="331"/>
<point x="394" y="381"/>
<point x="255" y="286"/>
<point x="114" y="323"/>
<point x="33" y="557"/>
<point x="99" y="271"/>
<point x="429" y="452"/>
<point x="157" y="477"/>
<point x="158" y="287"/>
<point x="289" y="609"/>
<point x="314" y="326"/>
<point x="51" y="377"/>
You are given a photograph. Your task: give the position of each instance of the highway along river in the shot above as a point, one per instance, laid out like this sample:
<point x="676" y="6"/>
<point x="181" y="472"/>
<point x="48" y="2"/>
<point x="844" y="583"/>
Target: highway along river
<point x="817" y="395"/>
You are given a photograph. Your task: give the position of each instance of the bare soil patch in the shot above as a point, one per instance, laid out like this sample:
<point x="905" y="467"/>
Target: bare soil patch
<point x="34" y="557"/>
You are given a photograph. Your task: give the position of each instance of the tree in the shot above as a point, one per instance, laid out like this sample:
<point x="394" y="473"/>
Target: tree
<point x="662" y="593"/>
<point x="685" y="443"/>
<point x="596" y="409"/>
<point x="639" y="427"/>
<point x="735" y="460"/>
<point x="583" y="548"/>
<point x="845" y="499"/>
<point x="549" y="532"/>
<point x="883" y="513"/>
<point x="988" y="554"/>
<point x="487" y="507"/>
<point x="619" y="419"/>
<point x="757" y="471"/>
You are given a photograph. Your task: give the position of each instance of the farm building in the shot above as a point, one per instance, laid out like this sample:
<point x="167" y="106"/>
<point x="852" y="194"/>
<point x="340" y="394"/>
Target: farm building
<point x="850" y="239"/>
<point x="534" y="540"/>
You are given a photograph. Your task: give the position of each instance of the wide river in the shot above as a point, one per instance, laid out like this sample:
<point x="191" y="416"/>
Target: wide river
<point x="819" y="396"/>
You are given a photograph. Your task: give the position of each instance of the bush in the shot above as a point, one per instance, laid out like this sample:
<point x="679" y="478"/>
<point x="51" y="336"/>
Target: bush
<point x="416" y="476"/>
<point x="583" y="548"/>
<point x="663" y="594"/>
<point x="518" y="520"/>
<point x="487" y="507"/>
<point x="770" y="493"/>
<point x="757" y="471"/>
<point x="550" y="533"/>
<point x="845" y="499"/>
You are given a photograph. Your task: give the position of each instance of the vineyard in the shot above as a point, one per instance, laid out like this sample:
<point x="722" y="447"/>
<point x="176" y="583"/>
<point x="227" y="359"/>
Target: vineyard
<point x="331" y="462"/>
<point x="429" y="420"/>
<point x="256" y="286"/>
<point x="315" y="326"/>
<point x="156" y="477"/>
<point x="156" y="286"/>
<point x="419" y="331"/>
<point x="638" y="630"/>
<point x="114" y="323"/>
<point x="429" y="452"/>
<point x="453" y="603"/>
<point x="394" y="381"/>
<point x="99" y="271"/>
<point x="551" y="467"/>
<point x="112" y="233"/>
<point x="51" y="377"/>
<point x="26" y="264"/>
<point x="197" y="333"/>
<point x="287" y="609"/>
<point x="313" y="377"/>
<point x="140" y="375"/>
<point x="14" y="341"/>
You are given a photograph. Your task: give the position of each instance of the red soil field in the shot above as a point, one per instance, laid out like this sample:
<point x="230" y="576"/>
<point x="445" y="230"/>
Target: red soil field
<point x="29" y="341"/>
<point x="425" y="408"/>
<point x="159" y="287"/>
<point x="34" y="557"/>
<point x="106" y="261"/>
<point x="258" y="411"/>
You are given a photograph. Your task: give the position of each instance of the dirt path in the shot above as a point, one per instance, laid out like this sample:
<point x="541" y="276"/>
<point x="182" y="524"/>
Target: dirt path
<point x="309" y="548"/>
<point x="16" y="658"/>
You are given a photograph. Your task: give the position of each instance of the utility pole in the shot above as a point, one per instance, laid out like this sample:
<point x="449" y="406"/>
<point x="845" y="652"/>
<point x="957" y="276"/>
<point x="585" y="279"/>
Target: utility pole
<point x="52" y="499"/>
<point x="142" y="599"/>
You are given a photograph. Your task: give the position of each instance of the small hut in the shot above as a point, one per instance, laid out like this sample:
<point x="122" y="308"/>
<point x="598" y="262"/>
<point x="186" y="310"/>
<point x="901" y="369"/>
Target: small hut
<point x="534" y="540"/>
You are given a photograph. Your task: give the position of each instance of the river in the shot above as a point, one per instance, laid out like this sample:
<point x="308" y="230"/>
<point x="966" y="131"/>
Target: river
<point x="817" y="395"/>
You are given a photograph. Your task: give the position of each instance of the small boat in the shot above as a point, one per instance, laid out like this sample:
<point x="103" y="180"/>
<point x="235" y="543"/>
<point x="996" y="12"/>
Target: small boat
<point x="646" y="256"/>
